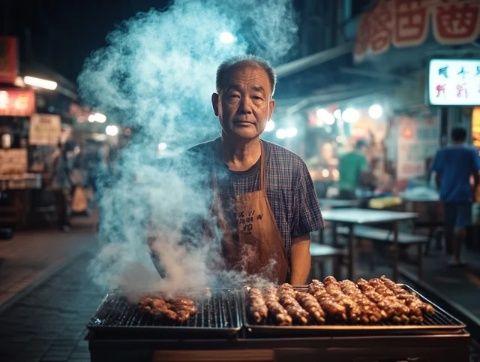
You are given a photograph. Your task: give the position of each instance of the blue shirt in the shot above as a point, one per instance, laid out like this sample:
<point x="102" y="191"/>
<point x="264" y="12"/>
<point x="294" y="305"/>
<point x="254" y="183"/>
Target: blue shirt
<point x="289" y="186"/>
<point x="455" y="165"/>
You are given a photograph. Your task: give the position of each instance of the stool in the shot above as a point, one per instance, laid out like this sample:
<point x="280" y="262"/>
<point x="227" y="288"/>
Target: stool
<point x="321" y="252"/>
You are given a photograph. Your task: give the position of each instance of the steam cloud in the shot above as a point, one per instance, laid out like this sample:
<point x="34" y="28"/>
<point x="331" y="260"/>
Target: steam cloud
<point x="157" y="75"/>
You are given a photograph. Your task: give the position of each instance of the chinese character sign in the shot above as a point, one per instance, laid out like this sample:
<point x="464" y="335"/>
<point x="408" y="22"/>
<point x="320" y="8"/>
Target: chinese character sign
<point x="454" y="82"/>
<point x="405" y="23"/>
<point x="8" y="59"/>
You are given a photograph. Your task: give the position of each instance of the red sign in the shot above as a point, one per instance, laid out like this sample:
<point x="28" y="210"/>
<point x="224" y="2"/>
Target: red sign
<point x="405" y="23"/>
<point x="8" y="59"/>
<point x="17" y="102"/>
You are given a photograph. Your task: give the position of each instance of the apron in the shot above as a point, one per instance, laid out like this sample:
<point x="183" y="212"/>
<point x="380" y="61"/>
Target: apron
<point x="254" y="243"/>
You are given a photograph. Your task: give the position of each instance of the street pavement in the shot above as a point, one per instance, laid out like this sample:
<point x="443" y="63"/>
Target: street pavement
<point x="47" y="296"/>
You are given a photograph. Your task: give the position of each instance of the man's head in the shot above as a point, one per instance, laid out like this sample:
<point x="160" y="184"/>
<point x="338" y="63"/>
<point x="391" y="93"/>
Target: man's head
<point x="360" y="144"/>
<point x="243" y="102"/>
<point x="458" y="135"/>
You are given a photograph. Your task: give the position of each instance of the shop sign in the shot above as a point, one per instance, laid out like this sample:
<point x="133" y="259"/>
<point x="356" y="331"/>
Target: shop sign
<point x="476" y="127"/>
<point x="8" y="59"/>
<point x="454" y="82"/>
<point x="17" y="102"/>
<point x="417" y="141"/>
<point x="405" y="23"/>
<point x="45" y="129"/>
<point x="13" y="161"/>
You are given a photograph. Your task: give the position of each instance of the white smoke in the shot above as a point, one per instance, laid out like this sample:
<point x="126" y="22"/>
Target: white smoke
<point x="157" y="74"/>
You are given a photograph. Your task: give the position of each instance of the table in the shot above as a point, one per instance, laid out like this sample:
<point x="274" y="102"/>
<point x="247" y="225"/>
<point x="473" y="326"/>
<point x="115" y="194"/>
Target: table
<point x="326" y="204"/>
<point x="354" y="216"/>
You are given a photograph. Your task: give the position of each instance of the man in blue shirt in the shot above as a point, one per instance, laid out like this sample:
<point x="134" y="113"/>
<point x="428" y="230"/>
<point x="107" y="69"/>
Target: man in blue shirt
<point x="455" y="167"/>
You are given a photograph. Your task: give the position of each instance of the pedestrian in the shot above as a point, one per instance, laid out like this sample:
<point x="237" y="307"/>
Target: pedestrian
<point x="61" y="184"/>
<point x="453" y="168"/>
<point x="261" y="194"/>
<point x="353" y="169"/>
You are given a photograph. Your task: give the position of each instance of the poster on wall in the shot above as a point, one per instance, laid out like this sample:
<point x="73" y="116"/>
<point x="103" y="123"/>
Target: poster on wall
<point x="45" y="129"/>
<point x="417" y="143"/>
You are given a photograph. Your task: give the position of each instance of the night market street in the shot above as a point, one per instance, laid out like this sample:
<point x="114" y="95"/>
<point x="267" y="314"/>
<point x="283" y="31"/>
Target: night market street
<point x="240" y="180"/>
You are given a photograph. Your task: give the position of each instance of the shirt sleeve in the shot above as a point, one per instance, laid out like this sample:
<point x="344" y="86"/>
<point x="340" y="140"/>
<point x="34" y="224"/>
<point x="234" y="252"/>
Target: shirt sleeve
<point x="363" y="164"/>
<point x="307" y="214"/>
<point x="436" y="164"/>
<point x="476" y="161"/>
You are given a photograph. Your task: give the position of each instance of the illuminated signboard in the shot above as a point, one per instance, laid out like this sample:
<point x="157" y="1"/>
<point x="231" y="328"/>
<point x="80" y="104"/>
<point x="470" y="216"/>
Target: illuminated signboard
<point x="17" y="102"/>
<point x="454" y="82"/>
<point x="8" y="59"/>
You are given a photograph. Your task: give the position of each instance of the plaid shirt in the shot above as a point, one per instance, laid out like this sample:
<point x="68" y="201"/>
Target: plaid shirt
<point x="290" y="190"/>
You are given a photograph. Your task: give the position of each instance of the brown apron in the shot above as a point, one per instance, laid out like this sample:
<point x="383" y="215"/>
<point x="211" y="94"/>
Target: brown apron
<point x="254" y="243"/>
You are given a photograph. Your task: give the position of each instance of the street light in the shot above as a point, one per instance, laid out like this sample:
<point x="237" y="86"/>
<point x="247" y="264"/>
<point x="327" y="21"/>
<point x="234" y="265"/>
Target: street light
<point x="375" y="111"/>
<point x="111" y="130"/>
<point x="40" y="83"/>
<point x="97" y="117"/>
<point x="226" y="37"/>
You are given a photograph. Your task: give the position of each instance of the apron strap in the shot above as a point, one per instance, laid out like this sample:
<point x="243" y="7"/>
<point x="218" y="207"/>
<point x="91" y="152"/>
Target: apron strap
<point x="263" y="172"/>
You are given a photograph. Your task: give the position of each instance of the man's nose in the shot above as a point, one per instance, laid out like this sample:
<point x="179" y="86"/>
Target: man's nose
<point x="245" y="105"/>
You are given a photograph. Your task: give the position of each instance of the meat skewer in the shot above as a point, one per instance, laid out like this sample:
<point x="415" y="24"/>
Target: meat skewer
<point x="412" y="300"/>
<point x="312" y="306"/>
<point x="332" y="286"/>
<point x="275" y="309"/>
<point x="287" y="297"/>
<point x="173" y="309"/>
<point x="398" y="311"/>
<point x="257" y="308"/>
<point x="370" y="313"/>
<point x="332" y="308"/>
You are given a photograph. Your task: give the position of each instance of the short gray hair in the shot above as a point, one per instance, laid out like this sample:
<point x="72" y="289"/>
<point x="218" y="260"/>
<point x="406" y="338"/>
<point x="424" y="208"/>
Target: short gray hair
<point x="225" y="67"/>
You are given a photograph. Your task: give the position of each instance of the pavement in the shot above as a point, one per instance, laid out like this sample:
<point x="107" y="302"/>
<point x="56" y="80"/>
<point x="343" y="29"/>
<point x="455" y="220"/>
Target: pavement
<point x="47" y="296"/>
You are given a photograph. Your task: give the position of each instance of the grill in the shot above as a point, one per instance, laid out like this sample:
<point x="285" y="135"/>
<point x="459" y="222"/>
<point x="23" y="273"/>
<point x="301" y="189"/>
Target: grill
<point x="440" y="322"/>
<point x="217" y="316"/>
<point x="221" y="330"/>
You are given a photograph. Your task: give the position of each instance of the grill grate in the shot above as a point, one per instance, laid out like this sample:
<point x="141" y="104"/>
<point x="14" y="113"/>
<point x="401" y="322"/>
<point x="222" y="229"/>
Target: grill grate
<point x="440" y="322"/>
<point x="217" y="315"/>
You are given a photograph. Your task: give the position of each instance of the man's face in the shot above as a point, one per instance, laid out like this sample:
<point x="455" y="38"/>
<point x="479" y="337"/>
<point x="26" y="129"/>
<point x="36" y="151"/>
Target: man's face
<point x="244" y="105"/>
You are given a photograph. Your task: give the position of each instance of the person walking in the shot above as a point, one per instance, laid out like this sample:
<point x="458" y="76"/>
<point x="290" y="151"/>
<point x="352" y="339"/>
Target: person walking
<point x="454" y="168"/>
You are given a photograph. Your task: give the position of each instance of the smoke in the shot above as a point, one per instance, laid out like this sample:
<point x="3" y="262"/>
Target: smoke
<point x="156" y="75"/>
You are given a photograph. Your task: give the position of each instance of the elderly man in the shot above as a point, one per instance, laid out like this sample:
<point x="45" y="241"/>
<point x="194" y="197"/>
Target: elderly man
<point x="263" y="201"/>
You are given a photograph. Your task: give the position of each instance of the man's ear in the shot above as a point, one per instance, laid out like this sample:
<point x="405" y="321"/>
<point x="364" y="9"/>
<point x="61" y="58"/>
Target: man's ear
<point x="272" y="108"/>
<point x="215" y="99"/>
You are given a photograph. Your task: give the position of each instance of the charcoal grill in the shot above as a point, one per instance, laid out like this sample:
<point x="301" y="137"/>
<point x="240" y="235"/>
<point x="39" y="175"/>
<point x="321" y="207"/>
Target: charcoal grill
<point x="120" y="331"/>
<point x="217" y="316"/>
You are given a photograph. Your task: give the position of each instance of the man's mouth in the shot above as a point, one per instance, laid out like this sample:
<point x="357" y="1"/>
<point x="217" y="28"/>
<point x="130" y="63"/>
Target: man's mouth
<point x="242" y="123"/>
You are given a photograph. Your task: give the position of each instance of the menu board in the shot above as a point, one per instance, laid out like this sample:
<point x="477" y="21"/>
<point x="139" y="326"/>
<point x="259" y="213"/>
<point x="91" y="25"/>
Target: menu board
<point x="13" y="161"/>
<point x="45" y="129"/>
<point x="454" y="82"/>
